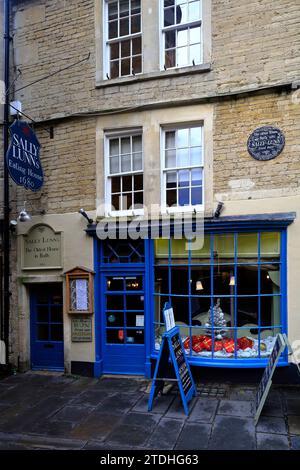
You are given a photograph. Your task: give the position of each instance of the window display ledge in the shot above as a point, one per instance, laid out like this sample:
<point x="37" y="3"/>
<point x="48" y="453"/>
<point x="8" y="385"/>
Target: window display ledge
<point x="170" y="73"/>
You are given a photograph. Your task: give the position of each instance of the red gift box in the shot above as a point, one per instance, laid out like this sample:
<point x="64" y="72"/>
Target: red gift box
<point x="228" y="345"/>
<point x="244" y="343"/>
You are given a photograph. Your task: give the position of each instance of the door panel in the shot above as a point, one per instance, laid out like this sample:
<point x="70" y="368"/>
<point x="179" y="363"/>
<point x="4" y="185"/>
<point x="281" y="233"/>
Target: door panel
<point x="46" y="317"/>
<point x="123" y="324"/>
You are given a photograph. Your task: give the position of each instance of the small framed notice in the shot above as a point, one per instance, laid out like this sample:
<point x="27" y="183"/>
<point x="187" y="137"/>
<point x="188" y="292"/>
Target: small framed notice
<point x="169" y="317"/>
<point x="79" y="283"/>
<point x="81" y="330"/>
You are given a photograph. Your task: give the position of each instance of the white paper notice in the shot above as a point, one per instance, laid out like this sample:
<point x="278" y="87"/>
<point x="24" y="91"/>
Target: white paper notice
<point x="139" y="320"/>
<point x="81" y="294"/>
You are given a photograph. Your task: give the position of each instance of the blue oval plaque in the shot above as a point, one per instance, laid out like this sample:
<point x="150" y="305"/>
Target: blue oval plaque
<point x="23" y="157"/>
<point x="265" y="143"/>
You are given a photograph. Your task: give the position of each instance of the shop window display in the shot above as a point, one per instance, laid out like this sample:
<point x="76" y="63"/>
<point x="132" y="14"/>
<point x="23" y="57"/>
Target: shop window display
<point x="227" y="296"/>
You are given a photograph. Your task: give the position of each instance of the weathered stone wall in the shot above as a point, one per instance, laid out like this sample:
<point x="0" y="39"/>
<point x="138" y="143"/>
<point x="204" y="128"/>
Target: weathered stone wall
<point x="253" y="44"/>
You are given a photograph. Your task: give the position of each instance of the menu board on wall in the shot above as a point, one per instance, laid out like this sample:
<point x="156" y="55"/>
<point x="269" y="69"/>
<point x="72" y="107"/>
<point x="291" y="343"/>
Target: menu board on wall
<point x="81" y="330"/>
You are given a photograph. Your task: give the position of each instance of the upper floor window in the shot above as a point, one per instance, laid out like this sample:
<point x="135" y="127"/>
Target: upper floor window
<point x="182" y="33"/>
<point x="124" y="163"/>
<point x="182" y="168"/>
<point x="124" y="38"/>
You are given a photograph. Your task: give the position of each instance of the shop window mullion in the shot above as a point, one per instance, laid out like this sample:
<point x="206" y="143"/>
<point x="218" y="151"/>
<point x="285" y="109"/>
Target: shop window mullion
<point x="170" y="270"/>
<point x="235" y="323"/>
<point x="190" y="293"/>
<point x="259" y="292"/>
<point x="212" y="241"/>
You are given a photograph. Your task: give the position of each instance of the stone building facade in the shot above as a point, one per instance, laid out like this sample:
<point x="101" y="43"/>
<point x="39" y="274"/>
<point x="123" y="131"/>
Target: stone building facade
<point x="166" y="79"/>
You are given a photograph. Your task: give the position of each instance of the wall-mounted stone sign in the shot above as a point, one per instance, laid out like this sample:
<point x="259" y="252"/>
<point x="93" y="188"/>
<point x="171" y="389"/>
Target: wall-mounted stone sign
<point x="81" y="330"/>
<point x="265" y="143"/>
<point x="41" y="248"/>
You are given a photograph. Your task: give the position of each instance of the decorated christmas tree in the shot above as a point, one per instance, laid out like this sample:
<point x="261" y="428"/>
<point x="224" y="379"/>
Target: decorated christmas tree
<point x="216" y="320"/>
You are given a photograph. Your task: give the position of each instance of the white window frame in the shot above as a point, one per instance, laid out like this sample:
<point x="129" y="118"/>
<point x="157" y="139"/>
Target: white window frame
<point x="107" y="175"/>
<point x="183" y="26"/>
<point x="180" y="209"/>
<point x="107" y="42"/>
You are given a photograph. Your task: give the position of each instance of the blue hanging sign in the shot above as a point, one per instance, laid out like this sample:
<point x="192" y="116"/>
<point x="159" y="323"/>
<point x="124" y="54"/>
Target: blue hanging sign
<point x="23" y="157"/>
<point x="176" y="370"/>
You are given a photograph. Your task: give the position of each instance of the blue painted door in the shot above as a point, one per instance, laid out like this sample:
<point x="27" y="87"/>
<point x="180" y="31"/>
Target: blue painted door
<point x="123" y="324"/>
<point x="46" y="313"/>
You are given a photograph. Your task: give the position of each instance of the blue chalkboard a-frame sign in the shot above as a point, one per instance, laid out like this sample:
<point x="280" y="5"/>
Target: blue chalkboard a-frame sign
<point x="172" y="366"/>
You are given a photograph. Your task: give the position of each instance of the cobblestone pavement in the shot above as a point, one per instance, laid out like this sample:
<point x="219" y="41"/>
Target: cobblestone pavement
<point x="48" y="411"/>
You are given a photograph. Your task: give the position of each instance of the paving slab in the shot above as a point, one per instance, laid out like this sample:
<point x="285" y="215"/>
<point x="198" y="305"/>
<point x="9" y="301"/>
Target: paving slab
<point x="204" y="410"/>
<point x="232" y="434"/>
<point x="132" y="436"/>
<point x="272" y="442"/>
<point x="194" y="436"/>
<point x="165" y="434"/>
<point x="72" y="413"/>
<point x="273" y="408"/>
<point x="160" y="404"/>
<point x="96" y="426"/>
<point x="53" y="428"/>
<point x="148" y="421"/>
<point x="235" y="408"/>
<point x="240" y="393"/>
<point x="294" y="425"/>
<point x="120" y="385"/>
<point x="295" y="442"/>
<point x="271" y="425"/>
<point x="293" y="406"/>
<point x="176" y="409"/>
<point x="92" y="397"/>
<point x="119" y="403"/>
<point x="41" y="442"/>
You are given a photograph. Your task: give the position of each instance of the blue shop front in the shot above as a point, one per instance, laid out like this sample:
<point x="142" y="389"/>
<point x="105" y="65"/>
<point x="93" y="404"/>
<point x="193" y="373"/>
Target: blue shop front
<point x="229" y="296"/>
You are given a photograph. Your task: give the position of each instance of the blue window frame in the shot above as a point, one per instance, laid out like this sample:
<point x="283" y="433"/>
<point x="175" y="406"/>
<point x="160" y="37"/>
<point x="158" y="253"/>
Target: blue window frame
<point x="231" y="295"/>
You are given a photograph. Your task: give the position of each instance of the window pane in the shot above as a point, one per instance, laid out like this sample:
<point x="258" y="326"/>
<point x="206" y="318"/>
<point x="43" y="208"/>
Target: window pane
<point x="194" y="11"/>
<point x="201" y="285"/>
<point x="113" y="29"/>
<point x="115" y="302"/>
<point x="116" y="184"/>
<point x="181" y="14"/>
<point x="114" y="165"/>
<point x="125" y="145"/>
<point x="270" y="279"/>
<point x="125" y="48"/>
<point x="137" y="161"/>
<point x="42" y="332"/>
<point x="183" y="157"/>
<point x="247" y="280"/>
<point x="170" y="140"/>
<point x="196" y="156"/>
<point x="171" y="197"/>
<point x="135" y="6"/>
<point x="114" y="51"/>
<point x="224" y="248"/>
<point x="124" y="8"/>
<point x="135" y="302"/>
<point x="57" y="332"/>
<point x="195" y="54"/>
<point x="195" y="36"/>
<point x="270" y="246"/>
<point x="113" y="10"/>
<point x="196" y="136"/>
<point x="138" y="198"/>
<point x="169" y="18"/>
<point x="114" y="319"/>
<point x="138" y="182"/>
<point x="42" y="314"/>
<point x="135" y="24"/>
<point x="183" y="178"/>
<point x="136" y="46"/>
<point x="135" y="336"/>
<point x="170" y="39"/>
<point x="114" y="146"/>
<point x="115" y="283"/>
<point x="115" y="336"/>
<point x="247" y="246"/>
<point x="134" y="283"/>
<point x="247" y="314"/>
<point x="196" y="177"/>
<point x="137" y="64"/>
<point x="114" y="69"/>
<point x="127" y="202"/>
<point x="127" y="183"/>
<point x="196" y="196"/>
<point x="125" y="67"/>
<point x="115" y="200"/>
<point x="126" y="163"/>
<point x="170" y="158"/>
<point x="182" y="138"/>
<point x="170" y="58"/>
<point x="171" y="179"/>
<point x="184" y="197"/>
<point x="124" y="27"/>
<point x="56" y="314"/>
<point x="182" y="38"/>
<point x="137" y="143"/>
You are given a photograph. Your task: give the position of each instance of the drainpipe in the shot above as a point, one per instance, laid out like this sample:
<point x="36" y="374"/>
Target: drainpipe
<point x="6" y="241"/>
